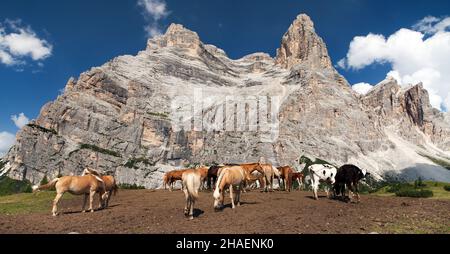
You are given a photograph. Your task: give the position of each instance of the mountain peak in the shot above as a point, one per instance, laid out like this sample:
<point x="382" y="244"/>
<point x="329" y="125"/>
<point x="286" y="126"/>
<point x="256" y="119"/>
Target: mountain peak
<point x="301" y="45"/>
<point x="176" y="35"/>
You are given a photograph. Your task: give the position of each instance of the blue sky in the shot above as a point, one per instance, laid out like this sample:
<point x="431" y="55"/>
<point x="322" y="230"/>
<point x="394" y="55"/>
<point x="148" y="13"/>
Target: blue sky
<point x="87" y="33"/>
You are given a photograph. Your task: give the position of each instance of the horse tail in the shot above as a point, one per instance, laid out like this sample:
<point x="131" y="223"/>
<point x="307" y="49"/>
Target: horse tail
<point x="192" y="183"/>
<point x="46" y="186"/>
<point x="115" y="188"/>
<point x="218" y="181"/>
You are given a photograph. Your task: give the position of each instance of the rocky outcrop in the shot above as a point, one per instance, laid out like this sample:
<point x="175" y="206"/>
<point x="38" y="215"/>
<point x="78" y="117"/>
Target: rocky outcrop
<point x="302" y="45"/>
<point x="181" y="102"/>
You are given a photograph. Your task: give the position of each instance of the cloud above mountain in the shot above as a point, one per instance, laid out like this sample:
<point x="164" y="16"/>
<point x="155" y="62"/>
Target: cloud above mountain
<point x="19" y="43"/>
<point x="417" y="54"/>
<point x="154" y="11"/>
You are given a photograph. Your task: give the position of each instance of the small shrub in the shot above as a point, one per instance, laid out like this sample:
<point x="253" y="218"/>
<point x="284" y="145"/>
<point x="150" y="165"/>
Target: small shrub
<point x="127" y="186"/>
<point x="414" y="193"/>
<point x="165" y="115"/>
<point x="40" y="128"/>
<point x="10" y="186"/>
<point x="447" y="187"/>
<point x="395" y="187"/>
<point x="100" y="150"/>
<point x="131" y="163"/>
<point x="419" y="183"/>
<point x="44" y="180"/>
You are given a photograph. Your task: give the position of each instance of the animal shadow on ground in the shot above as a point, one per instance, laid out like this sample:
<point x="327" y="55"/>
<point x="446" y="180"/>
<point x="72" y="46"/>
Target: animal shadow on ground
<point x="198" y="212"/>
<point x="312" y="197"/>
<point x="242" y="204"/>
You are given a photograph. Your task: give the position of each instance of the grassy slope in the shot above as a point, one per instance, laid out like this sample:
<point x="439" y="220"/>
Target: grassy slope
<point x="28" y="202"/>
<point x="437" y="188"/>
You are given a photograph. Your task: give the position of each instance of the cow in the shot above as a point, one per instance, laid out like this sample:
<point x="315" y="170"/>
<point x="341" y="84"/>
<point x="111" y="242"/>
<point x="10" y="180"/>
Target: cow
<point x="324" y="173"/>
<point x="348" y="175"/>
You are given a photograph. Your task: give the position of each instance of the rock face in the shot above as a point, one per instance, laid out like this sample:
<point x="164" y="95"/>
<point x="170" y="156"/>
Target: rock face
<point x="181" y="102"/>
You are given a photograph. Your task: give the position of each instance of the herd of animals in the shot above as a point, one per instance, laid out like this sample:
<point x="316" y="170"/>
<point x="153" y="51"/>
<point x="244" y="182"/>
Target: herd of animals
<point x="234" y="178"/>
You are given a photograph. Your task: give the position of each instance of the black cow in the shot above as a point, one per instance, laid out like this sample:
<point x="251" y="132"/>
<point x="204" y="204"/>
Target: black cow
<point x="348" y="175"/>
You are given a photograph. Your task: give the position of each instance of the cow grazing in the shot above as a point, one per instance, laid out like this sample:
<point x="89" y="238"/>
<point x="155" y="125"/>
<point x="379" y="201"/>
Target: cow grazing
<point x="324" y="173"/>
<point x="349" y="175"/>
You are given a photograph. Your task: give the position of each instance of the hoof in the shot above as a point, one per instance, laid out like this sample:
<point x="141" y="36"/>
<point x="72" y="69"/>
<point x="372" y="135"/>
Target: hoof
<point x="83" y="211"/>
<point x="191" y="217"/>
<point x="55" y="214"/>
<point x="92" y="210"/>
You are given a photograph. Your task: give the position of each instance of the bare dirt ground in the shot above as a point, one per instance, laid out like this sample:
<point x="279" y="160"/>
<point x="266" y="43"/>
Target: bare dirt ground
<point x="146" y="211"/>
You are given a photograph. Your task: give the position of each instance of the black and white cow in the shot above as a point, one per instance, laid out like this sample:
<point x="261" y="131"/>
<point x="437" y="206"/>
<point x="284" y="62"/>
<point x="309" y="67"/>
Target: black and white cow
<point x="348" y="176"/>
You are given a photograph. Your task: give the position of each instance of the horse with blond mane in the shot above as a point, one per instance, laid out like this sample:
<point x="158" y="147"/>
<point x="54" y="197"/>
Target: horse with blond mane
<point x="233" y="178"/>
<point x="87" y="185"/>
<point x="110" y="183"/>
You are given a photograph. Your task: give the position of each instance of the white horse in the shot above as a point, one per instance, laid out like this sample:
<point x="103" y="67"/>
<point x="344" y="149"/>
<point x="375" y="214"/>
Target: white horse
<point x="321" y="173"/>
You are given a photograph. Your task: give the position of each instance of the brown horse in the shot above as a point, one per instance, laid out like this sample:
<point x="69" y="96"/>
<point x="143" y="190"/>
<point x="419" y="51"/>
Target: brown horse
<point x="233" y="178"/>
<point x="284" y="174"/>
<point x="192" y="180"/>
<point x="76" y="185"/>
<point x="110" y="183"/>
<point x="295" y="176"/>
<point x="213" y="173"/>
<point x="171" y="177"/>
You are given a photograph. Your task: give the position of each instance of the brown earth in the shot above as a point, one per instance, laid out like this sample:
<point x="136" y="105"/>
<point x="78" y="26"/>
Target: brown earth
<point x="146" y="211"/>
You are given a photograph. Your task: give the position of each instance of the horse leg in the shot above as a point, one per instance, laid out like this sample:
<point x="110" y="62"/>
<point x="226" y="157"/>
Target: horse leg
<point x="186" y="197"/>
<point x="109" y="197"/>
<point x="191" y="208"/>
<point x="91" y="200"/>
<point x="55" y="203"/>
<point x="84" y="203"/>
<point x="232" y="197"/>
<point x="238" y="196"/>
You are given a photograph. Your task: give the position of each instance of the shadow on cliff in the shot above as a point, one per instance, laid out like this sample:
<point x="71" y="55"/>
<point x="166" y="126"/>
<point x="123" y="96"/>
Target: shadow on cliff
<point x="424" y="171"/>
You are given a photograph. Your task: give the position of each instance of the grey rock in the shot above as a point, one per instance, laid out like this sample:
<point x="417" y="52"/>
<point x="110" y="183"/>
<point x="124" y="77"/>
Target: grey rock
<point x="119" y="117"/>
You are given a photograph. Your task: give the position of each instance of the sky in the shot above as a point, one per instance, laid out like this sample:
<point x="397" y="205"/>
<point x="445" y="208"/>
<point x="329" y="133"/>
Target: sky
<point x="44" y="43"/>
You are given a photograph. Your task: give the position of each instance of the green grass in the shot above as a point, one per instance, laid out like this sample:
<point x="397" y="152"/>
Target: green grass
<point x="436" y="187"/>
<point x="40" y="128"/>
<point x="437" y="161"/>
<point x="28" y="202"/>
<point x="10" y="186"/>
<point x="414" y="193"/>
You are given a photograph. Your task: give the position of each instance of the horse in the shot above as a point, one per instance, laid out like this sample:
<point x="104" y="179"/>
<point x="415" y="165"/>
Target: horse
<point x="110" y="183"/>
<point x="294" y="176"/>
<point x="192" y="180"/>
<point x="76" y="185"/>
<point x="203" y="171"/>
<point x="269" y="175"/>
<point x="284" y="174"/>
<point x="172" y="176"/>
<point x="349" y="175"/>
<point x="232" y="177"/>
<point x="321" y="173"/>
<point x="213" y="172"/>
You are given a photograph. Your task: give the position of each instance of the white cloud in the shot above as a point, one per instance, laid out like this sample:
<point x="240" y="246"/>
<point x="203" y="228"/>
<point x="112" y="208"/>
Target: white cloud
<point x="431" y="25"/>
<point x="17" y="43"/>
<point x="20" y="121"/>
<point x="6" y="141"/>
<point x="154" y="11"/>
<point x="413" y="56"/>
<point x="362" y="88"/>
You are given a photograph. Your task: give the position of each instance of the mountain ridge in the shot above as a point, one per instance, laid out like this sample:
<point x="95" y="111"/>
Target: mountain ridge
<point x="132" y="105"/>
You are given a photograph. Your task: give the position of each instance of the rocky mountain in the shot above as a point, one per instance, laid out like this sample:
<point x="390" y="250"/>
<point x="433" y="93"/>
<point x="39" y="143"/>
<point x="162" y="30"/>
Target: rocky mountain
<point x="181" y="102"/>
